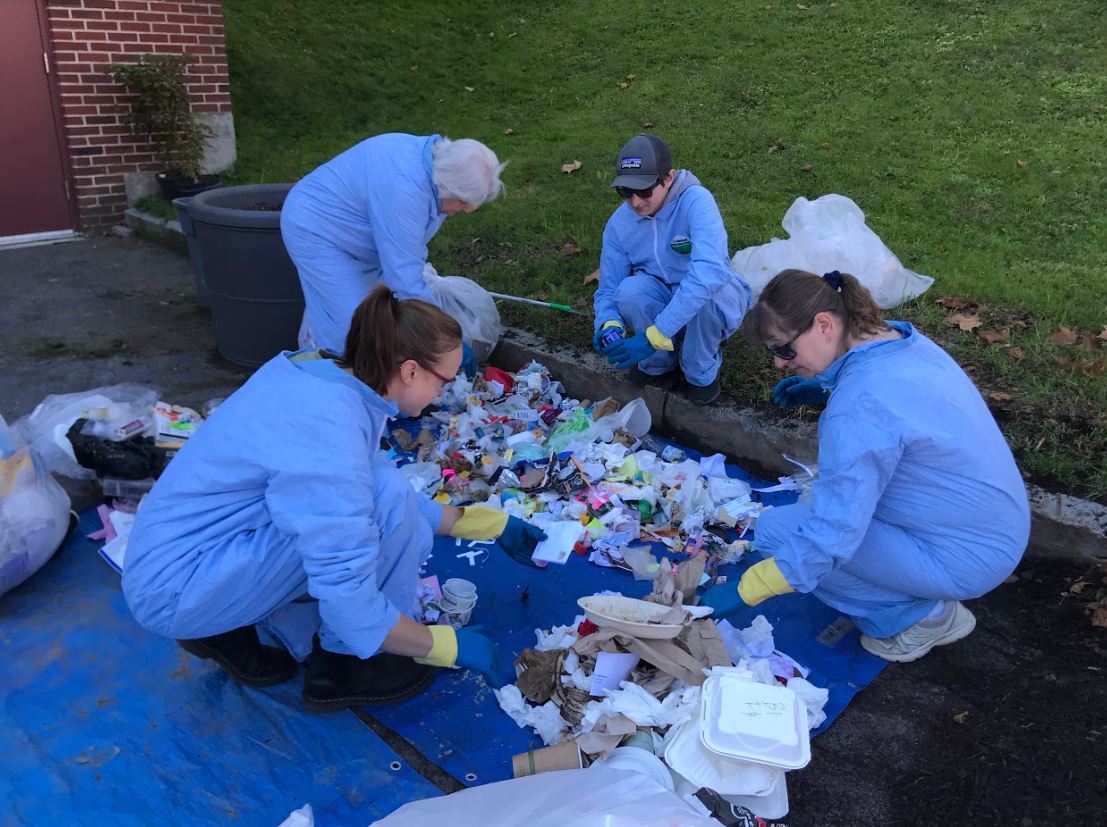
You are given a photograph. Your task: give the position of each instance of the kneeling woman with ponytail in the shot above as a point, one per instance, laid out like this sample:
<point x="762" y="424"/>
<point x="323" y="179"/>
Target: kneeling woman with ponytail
<point x="918" y="504"/>
<point x="283" y="509"/>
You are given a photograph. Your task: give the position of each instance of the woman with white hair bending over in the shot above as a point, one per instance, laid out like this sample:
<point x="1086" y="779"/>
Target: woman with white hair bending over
<point x="366" y="216"/>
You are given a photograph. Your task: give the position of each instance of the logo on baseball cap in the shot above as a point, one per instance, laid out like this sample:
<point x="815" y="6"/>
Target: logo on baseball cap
<point x="641" y="162"/>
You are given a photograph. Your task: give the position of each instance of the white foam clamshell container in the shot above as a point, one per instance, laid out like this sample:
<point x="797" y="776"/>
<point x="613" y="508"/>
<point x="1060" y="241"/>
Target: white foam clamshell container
<point x="754" y="722"/>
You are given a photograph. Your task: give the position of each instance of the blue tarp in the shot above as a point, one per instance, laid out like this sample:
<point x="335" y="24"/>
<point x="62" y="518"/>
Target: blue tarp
<point x="102" y="723"/>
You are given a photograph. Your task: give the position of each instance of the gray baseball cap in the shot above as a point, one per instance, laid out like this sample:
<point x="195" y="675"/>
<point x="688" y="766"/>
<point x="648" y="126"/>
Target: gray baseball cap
<point x="642" y="160"/>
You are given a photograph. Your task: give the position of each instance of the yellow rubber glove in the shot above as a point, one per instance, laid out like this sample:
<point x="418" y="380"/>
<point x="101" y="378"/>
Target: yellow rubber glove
<point x="762" y="581"/>
<point x="443" y="647"/>
<point x="658" y="339"/>
<point x="479" y="522"/>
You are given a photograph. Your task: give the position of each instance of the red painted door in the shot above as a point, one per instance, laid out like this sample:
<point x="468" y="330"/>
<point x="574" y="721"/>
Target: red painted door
<point x="33" y="195"/>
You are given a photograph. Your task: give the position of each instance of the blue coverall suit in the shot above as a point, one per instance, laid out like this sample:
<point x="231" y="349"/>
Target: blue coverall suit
<point x="672" y="270"/>
<point x="283" y="497"/>
<point x="363" y="218"/>
<point x="918" y="499"/>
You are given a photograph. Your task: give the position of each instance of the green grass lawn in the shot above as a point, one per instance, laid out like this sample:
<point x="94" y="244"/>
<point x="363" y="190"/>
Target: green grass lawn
<point x="972" y="134"/>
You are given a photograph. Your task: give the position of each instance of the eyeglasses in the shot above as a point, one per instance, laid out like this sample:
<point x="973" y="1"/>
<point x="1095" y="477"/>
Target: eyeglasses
<point x="436" y="374"/>
<point x="627" y="192"/>
<point x="786" y="351"/>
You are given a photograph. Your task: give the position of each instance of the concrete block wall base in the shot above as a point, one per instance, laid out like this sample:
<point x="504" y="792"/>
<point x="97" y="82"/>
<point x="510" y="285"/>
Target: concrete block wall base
<point x="1061" y="526"/>
<point x="161" y="231"/>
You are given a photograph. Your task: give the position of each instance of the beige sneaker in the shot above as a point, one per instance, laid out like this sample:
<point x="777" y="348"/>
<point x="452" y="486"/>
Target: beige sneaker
<point x="915" y="641"/>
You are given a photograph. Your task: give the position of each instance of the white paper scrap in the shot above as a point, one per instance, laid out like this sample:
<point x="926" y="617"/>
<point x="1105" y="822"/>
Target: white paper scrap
<point x="610" y="670"/>
<point x="558" y="545"/>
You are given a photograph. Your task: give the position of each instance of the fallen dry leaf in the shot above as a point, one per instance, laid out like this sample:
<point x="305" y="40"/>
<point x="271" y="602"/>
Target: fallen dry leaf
<point x="1090" y="343"/>
<point x="594" y="276"/>
<point x="1088" y="367"/>
<point x="571" y="167"/>
<point x="776" y="145"/>
<point x="647" y="124"/>
<point x="1099" y="617"/>
<point x="470" y="88"/>
<point x="570" y="248"/>
<point x="1103" y="333"/>
<point x="956" y="303"/>
<point x="801" y="7"/>
<point x="965" y="321"/>
<point x="961" y="716"/>
<point x="746" y="96"/>
<point x="1078" y="587"/>
<point x="1020" y="163"/>
<point x="999" y="396"/>
<point x="415" y="67"/>
<point x="806" y="168"/>
<point x="509" y="131"/>
<point x="993" y="337"/>
<point x="1022" y="324"/>
<point x="1016" y="352"/>
<point x="626" y="81"/>
<point x="1064" y="336"/>
<point x="824" y="145"/>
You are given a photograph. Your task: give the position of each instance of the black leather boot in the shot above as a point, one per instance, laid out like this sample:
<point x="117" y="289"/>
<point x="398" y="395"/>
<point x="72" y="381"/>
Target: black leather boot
<point x="333" y="681"/>
<point x="241" y="653"/>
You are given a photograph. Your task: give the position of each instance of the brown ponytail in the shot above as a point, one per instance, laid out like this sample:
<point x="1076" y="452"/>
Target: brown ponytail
<point x="385" y="332"/>
<point x="792" y="299"/>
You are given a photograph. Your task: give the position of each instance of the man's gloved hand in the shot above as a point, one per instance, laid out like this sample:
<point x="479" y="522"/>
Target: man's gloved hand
<point x="629" y="352"/>
<point x="517" y="537"/>
<point x="792" y="391"/>
<point x="724" y="599"/>
<point x="602" y="331"/>
<point x="468" y="361"/>
<point x="475" y="651"/>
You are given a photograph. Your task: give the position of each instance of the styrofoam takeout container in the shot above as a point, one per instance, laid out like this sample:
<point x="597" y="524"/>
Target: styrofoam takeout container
<point x="754" y="722"/>
<point x="689" y="758"/>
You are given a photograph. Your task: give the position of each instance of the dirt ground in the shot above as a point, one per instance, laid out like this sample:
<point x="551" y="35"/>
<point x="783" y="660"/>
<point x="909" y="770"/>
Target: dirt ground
<point x="1008" y="727"/>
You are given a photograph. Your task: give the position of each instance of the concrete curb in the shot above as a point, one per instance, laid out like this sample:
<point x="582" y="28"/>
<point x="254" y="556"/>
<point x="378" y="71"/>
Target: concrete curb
<point x="163" y="231"/>
<point x="1061" y="526"/>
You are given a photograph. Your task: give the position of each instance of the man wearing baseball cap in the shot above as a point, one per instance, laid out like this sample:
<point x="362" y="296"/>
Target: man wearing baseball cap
<point x="667" y="293"/>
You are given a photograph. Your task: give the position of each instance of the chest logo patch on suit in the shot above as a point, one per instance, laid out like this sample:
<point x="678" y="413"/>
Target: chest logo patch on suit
<point x="681" y="244"/>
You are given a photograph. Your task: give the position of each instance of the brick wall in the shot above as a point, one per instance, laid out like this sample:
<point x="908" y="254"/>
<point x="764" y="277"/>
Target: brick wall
<point x="88" y="36"/>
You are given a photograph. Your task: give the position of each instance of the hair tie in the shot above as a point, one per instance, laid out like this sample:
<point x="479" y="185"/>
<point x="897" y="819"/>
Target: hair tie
<point x="834" y="279"/>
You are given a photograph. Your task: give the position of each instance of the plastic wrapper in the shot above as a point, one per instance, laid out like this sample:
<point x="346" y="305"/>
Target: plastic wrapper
<point x="34" y="511"/>
<point x="826" y="234"/>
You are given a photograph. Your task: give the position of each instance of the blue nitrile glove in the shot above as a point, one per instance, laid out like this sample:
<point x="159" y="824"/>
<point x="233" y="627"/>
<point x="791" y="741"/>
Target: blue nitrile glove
<point x="724" y="599"/>
<point x="519" y="539"/>
<point x="792" y="391"/>
<point x="475" y="651"/>
<point x="629" y="352"/>
<point x="468" y="361"/>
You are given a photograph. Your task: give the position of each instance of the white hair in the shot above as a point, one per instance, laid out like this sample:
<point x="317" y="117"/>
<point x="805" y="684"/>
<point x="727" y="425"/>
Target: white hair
<point x="467" y="170"/>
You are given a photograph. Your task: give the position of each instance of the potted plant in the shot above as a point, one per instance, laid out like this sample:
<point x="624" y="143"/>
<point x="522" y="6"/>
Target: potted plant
<point x="162" y="110"/>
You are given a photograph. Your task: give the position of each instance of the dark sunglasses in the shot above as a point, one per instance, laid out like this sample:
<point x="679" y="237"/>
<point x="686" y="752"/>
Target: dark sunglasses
<point x="627" y="192"/>
<point x="786" y="351"/>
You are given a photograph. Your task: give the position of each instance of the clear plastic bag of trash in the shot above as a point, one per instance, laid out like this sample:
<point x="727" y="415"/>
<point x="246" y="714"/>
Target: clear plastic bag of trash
<point x="34" y="511"/>
<point x="472" y="306"/>
<point x="44" y="429"/>
<point x="599" y="796"/>
<point x="826" y="234"/>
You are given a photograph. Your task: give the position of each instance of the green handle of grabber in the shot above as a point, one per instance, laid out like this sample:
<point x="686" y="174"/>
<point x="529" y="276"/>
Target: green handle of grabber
<point x="563" y="307"/>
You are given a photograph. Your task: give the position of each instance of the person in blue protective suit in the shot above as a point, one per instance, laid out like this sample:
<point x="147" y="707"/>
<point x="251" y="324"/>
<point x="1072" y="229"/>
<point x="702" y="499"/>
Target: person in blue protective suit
<point x="665" y="272"/>
<point x="918" y="503"/>
<point x="282" y="508"/>
<point x="366" y="216"/>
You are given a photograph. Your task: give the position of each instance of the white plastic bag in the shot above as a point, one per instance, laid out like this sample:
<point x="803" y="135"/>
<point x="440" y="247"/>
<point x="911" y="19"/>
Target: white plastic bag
<point x="472" y="306"/>
<point x="34" y="511"/>
<point x="45" y="427"/>
<point x="595" y="797"/>
<point x="826" y="234"/>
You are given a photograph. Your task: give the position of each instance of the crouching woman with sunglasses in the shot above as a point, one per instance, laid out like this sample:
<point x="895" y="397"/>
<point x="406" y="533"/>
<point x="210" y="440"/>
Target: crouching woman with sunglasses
<point x="282" y="510"/>
<point x="918" y="504"/>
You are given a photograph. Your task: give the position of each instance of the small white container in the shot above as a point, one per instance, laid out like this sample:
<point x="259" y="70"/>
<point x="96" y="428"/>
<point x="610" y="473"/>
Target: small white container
<point x="459" y="589"/>
<point x="772" y="805"/>
<point x="689" y="758"/>
<point x="754" y="722"/>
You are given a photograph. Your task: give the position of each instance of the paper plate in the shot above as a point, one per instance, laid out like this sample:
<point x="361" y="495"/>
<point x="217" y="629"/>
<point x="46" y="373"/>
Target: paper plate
<point x="632" y="616"/>
<point x="755" y="722"/>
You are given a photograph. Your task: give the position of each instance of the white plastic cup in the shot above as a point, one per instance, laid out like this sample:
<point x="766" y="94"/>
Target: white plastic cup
<point x="459" y="589"/>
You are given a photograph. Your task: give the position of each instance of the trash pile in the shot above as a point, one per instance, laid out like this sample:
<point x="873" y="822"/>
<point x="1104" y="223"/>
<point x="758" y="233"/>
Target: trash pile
<point x="588" y="473"/>
<point x="591" y="475"/>
<point x="121" y="435"/>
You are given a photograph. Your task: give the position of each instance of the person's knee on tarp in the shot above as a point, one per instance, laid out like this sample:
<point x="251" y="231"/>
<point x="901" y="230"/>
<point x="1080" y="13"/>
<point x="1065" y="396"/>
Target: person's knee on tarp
<point x="666" y="292"/>
<point x="365" y="218"/>
<point x="918" y="503"/>
<point x="284" y="497"/>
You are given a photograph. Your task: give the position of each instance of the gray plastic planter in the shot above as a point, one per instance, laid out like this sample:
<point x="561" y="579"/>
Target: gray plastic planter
<point x="189" y="231"/>
<point x="252" y="286"/>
